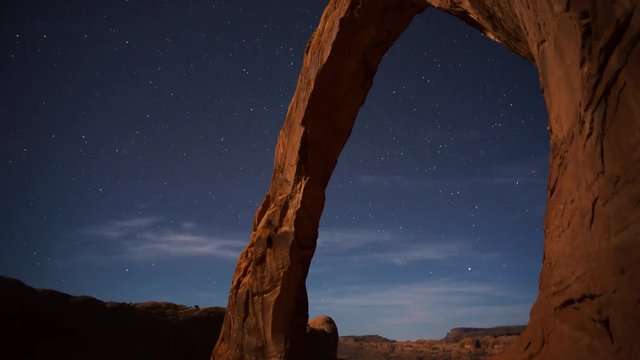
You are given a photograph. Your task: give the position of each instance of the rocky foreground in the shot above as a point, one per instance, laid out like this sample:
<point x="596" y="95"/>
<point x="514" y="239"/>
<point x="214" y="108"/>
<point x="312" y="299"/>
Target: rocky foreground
<point x="47" y="324"/>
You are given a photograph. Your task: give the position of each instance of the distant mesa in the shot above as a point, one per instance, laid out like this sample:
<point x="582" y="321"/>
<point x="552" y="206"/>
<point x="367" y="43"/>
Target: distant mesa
<point x="457" y="334"/>
<point x="459" y="344"/>
<point x="368" y="339"/>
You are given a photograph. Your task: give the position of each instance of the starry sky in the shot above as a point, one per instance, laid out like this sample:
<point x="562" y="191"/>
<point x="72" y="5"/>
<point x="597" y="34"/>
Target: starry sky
<point x="137" y="141"/>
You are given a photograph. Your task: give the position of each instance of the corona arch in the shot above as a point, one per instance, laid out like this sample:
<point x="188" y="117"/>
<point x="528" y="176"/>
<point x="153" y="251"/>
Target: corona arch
<point x="586" y="52"/>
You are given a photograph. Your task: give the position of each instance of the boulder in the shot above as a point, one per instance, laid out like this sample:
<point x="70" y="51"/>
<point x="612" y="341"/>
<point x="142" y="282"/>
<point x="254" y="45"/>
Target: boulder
<point x="322" y="339"/>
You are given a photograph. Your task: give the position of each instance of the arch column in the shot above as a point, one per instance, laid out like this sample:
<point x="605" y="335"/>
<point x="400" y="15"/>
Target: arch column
<point x="267" y="310"/>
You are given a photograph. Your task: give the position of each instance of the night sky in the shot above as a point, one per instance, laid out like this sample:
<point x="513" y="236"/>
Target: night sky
<point x="137" y="141"/>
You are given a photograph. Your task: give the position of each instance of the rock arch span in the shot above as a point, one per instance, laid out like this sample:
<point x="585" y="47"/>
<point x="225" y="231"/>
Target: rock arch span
<point x="587" y="56"/>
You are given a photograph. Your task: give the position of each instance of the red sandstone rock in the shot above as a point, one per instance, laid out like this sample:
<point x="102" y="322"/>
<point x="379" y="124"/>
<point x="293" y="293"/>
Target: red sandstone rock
<point x="586" y="52"/>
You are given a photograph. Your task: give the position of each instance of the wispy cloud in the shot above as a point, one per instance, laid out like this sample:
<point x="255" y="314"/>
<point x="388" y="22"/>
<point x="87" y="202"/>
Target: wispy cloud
<point x="429" y="308"/>
<point x="344" y="239"/>
<point x="388" y="247"/>
<point x="400" y="181"/>
<point x="409" y="253"/>
<point x="151" y="237"/>
<point x="121" y="228"/>
<point x="393" y="180"/>
<point x="523" y="173"/>
<point x="182" y="244"/>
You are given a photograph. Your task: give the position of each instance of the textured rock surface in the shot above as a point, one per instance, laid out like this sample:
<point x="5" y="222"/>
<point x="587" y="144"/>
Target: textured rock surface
<point x="322" y="339"/>
<point x="46" y="324"/>
<point x="589" y="63"/>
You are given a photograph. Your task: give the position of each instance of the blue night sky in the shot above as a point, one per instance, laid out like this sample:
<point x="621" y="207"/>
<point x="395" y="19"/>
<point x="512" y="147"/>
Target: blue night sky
<point x="137" y="141"/>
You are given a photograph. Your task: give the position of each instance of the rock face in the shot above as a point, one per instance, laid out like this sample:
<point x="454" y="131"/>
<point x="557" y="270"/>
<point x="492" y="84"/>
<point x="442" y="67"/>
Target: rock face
<point x="586" y="52"/>
<point x="46" y="324"/>
<point x="322" y="339"/>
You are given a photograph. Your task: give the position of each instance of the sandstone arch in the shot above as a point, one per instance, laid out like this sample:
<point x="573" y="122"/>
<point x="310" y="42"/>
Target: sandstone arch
<point x="586" y="52"/>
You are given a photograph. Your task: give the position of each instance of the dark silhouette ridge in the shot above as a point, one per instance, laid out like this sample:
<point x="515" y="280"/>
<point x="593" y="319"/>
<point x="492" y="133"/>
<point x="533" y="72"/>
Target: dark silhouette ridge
<point x="47" y="324"/>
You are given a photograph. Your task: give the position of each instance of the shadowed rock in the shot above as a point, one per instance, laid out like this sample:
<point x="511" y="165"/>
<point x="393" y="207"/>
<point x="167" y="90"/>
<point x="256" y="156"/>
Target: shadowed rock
<point x="587" y="56"/>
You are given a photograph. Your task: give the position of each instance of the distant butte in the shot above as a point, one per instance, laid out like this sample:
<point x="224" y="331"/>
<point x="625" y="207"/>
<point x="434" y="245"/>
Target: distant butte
<point x="469" y="344"/>
<point x="586" y="52"/>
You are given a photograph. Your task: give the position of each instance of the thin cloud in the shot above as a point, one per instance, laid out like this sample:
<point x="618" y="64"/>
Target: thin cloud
<point x="411" y="253"/>
<point x="522" y="173"/>
<point x="120" y="228"/>
<point x="395" y="180"/>
<point x="149" y="237"/>
<point x="340" y="240"/>
<point x="507" y="180"/>
<point x="401" y="181"/>
<point x="429" y="308"/>
<point x="406" y="294"/>
<point x="388" y="247"/>
<point x="170" y="244"/>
